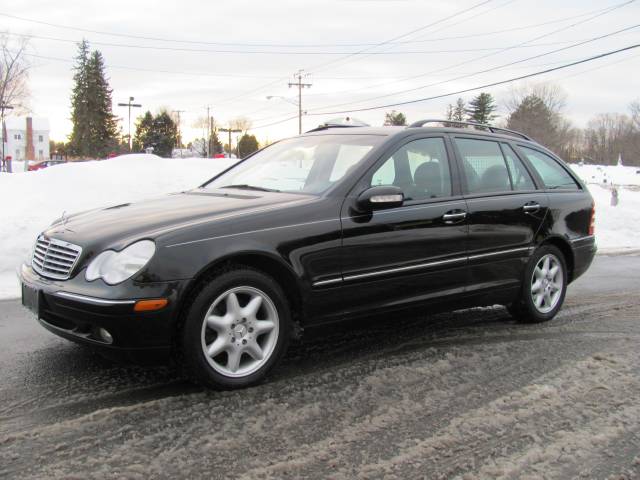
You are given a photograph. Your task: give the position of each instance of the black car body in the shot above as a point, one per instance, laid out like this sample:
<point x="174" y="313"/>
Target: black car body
<point x="467" y="242"/>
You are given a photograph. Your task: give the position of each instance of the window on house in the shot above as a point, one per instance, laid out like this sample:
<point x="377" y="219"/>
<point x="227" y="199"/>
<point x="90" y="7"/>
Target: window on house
<point x="17" y="136"/>
<point x="41" y="138"/>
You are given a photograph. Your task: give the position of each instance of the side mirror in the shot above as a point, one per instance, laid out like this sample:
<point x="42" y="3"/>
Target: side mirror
<point x="378" y="198"/>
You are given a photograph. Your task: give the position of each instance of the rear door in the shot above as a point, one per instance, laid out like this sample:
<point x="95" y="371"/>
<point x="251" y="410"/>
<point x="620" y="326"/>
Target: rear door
<point x="415" y="252"/>
<point x="505" y="211"/>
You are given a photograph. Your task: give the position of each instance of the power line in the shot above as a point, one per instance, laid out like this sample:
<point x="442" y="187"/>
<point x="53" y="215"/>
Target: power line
<point x="276" y="45"/>
<point x="510" y="47"/>
<point x="262" y="87"/>
<point x="490" y="69"/>
<point x="279" y="52"/>
<point x="487" y="85"/>
<point x="467" y="90"/>
<point x="398" y="37"/>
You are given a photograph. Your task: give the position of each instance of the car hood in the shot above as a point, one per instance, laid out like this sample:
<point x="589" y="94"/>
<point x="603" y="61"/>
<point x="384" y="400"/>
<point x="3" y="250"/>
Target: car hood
<point x="115" y="227"/>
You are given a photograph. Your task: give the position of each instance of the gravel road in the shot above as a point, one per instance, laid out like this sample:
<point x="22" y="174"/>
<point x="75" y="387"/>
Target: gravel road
<point x="468" y="395"/>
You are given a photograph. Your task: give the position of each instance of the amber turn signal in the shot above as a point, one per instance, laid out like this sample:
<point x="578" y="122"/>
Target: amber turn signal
<point x="150" y="305"/>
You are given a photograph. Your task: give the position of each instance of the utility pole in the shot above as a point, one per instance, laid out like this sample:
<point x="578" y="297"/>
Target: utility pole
<point x="178" y="112"/>
<point x="230" y="130"/>
<point x="300" y="86"/>
<point x="130" y="105"/>
<point x="3" y="107"/>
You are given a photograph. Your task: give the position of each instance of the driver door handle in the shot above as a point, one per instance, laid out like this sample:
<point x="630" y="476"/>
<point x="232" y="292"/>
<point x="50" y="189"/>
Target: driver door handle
<point x="454" y="216"/>
<point x="531" y="207"/>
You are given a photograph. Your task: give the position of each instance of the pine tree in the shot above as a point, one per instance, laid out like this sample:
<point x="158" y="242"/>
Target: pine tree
<point x="247" y="145"/>
<point x="95" y="130"/>
<point x="534" y="118"/>
<point x="459" y="110"/>
<point x="159" y="131"/>
<point x="395" y="118"/>
<point x="104" y="129"/>
<point x="481" y="109"/>
<point x="141" y="139"/>
<point x="78" y="141"/>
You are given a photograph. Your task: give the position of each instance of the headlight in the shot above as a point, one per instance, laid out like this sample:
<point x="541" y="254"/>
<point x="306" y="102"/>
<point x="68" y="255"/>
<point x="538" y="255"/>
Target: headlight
<point x="115" y="267"/>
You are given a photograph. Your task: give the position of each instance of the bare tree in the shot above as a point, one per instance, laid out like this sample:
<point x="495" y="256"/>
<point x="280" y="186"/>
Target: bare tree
<point x="241" y="123"/>
<point x="14" y="74"/>
<point x="609" y="135"/>
<point x="552" y="95"/>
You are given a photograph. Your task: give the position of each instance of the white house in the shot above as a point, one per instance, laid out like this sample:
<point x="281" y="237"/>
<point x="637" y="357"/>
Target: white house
<point x="27" y="138"/>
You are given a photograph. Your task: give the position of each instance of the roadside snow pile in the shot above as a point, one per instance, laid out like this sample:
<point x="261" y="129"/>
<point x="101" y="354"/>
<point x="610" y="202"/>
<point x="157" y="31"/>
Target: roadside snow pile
<point x="30" y="201"/>
<point x="617" y="228"/>
<point x="608" y="174"/>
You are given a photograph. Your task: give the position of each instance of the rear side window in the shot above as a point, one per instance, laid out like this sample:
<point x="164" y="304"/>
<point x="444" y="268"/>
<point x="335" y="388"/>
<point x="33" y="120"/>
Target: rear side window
<point x="484" y="166"/>
<point x="551" y="172"/>
<point x="520" y="178"/>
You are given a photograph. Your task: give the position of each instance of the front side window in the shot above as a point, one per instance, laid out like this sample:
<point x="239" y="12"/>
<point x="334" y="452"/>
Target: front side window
<point x="552" y="174"/>
<point x="484" y="166"/>
<point x="420" y="168"/>
<point x="302" y="164"/>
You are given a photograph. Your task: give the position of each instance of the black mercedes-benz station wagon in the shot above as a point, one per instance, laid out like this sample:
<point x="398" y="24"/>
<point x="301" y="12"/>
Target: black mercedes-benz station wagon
<point x="335" y="223"/>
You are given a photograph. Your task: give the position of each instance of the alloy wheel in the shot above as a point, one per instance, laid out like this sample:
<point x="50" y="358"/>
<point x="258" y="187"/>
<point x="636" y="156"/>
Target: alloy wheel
<point x="547" y="283"/>
<point x="240" y="331"/>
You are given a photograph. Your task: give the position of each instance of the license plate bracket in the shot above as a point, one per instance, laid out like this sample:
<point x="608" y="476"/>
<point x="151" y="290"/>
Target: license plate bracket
<point x="31" y="298"/>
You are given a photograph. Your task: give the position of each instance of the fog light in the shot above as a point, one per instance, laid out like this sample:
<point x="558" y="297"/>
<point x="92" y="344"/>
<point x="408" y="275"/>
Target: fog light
<point x="105" y="335"/>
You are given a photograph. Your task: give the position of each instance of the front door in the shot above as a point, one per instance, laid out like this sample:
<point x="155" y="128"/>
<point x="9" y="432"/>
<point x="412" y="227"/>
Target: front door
<point x="415" y="252"/>
<point x="505" y="212"/>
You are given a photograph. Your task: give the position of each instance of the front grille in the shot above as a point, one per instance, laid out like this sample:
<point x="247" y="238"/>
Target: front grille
<point x="54" y="258"/>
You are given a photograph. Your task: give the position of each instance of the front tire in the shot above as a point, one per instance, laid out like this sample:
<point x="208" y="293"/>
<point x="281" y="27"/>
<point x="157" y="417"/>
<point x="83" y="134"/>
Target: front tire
<point x="236" y="329"/>
<point x="544" y="286"/>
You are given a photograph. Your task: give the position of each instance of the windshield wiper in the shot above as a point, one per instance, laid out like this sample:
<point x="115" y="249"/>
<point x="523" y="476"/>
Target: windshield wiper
<point x="244" y="186"/>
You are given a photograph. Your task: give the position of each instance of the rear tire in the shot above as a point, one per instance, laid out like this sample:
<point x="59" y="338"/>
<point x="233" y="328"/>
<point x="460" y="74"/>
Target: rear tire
<point x="544" y="286"/>
<point x="236" y="329"/>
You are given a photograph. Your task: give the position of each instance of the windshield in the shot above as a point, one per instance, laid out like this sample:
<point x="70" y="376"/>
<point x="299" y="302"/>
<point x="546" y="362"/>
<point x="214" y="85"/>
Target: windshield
<point x="302" y="164"/>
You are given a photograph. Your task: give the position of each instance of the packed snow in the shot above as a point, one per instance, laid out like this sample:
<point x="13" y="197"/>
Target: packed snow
<point x="30" y="201"/>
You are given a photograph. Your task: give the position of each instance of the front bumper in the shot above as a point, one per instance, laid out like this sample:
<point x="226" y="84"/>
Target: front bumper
<point x="76" y="309"/>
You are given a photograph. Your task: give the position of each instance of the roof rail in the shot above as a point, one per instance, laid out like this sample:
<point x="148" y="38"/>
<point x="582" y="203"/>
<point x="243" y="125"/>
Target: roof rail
<point x="491" y="128"/>
<point x="340" y="123"/>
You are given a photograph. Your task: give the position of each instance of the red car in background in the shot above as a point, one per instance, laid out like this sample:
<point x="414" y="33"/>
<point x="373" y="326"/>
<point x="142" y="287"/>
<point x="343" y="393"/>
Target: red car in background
<point x="44" y="164"/>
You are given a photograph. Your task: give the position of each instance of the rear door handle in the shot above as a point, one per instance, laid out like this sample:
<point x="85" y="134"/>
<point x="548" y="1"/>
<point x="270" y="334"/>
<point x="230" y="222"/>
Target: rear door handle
<point x="454" y="216"/>
<point x="531" y="207"/>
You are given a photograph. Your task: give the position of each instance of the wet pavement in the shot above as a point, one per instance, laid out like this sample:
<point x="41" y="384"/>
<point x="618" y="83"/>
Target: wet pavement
<point x="470" y="394"/>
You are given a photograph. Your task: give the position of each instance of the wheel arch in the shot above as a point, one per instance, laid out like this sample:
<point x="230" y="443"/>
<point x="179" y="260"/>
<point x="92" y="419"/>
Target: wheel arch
<point x="565" y="247"/>
<point x="267" y="263"/>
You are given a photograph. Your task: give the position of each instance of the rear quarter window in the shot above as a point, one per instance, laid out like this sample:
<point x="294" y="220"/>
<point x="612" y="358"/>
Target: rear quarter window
<point x="553" y="175"/>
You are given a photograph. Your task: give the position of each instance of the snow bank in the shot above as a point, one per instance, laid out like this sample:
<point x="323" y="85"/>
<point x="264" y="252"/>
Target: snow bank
<point x="30" y="201"/>
<point x="609" y="174"/>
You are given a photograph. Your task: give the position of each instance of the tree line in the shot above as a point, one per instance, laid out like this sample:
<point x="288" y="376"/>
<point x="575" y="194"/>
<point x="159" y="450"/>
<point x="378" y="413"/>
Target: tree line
<point x="538" y="111"/>
<point x="95" y="132"/>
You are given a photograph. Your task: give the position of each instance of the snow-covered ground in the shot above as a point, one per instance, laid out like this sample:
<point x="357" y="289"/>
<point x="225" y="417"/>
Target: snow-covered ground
<point x="30" y="201"/>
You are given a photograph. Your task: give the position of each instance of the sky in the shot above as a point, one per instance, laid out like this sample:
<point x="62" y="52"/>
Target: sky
<point x="231" y="56"/>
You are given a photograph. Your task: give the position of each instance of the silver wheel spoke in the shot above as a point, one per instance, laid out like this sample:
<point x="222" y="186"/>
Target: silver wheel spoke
<point x="233" y="307"/>
<point x="554" y="271"/>
<point x="217" y="347"/>
<point x="263" y="326"/>
<point x="233" y="362"/>
<point x="217" y="323"/>
<point x="251" y="309"/>
<point x="253" y="349"/>
<point x="538" y="300"/>
<point x="536" y="286"/>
